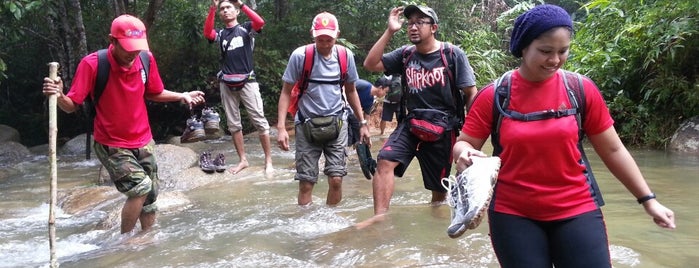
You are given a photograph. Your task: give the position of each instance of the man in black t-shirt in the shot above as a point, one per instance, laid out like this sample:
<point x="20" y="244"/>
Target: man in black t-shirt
<point x="435" y="73"/>
<point x="237" y="78"/>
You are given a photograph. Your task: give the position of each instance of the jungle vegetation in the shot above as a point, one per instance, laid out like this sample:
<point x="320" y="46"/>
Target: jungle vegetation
<point x="643" y="54"/>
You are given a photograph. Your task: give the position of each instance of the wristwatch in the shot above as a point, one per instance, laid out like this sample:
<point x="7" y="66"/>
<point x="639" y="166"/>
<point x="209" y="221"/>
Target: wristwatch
<point x="364" y="122"/>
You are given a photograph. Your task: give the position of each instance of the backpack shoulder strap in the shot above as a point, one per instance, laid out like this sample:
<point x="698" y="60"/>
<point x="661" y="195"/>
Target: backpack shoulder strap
<point x="457" y="94"/>
<point x="501" y="88"/>
<point x="408" y="52"/>
<point x="448" y="61"/>
<point x="102" y="75"/>
<point x="576" y="95"/>
<point x="145" y="61"/>
<point x="342" y="59"/>
<point x="89" y="104"/>
<point x="308" y="58"/>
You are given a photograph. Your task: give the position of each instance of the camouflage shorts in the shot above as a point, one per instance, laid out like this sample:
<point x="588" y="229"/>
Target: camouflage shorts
<point x="133" y="171"/>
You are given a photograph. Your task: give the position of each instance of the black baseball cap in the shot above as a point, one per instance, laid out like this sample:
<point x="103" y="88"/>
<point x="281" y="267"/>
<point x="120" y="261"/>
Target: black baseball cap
<point x="425" y="10"/>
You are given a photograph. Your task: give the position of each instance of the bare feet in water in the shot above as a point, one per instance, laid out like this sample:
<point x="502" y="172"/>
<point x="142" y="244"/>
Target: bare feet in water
<point x="269" y="169"/>
<point x="368" y="222"/>
<point x="242" y="165"/>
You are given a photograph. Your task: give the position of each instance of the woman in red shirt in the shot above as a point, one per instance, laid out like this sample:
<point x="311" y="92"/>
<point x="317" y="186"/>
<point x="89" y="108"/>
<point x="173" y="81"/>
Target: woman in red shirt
<point x="545" y="209"/>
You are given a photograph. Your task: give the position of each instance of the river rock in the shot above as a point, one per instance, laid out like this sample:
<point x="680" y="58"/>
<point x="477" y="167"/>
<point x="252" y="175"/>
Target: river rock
<point x="8" y="133"/>
<point x="76" y="146"/>
<point x="12" y="152"/>
<point x="686" y="138"/>
<point x="168" y="202"/>
<point x="173" y="159"/>
<point x="79" y="200"/>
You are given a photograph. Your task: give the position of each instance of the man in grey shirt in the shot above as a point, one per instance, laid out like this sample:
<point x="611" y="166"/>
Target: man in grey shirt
<point x="320" y="121"/>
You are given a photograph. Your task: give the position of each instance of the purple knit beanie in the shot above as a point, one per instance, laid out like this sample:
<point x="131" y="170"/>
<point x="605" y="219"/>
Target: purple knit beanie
<point x="534" y="22"/>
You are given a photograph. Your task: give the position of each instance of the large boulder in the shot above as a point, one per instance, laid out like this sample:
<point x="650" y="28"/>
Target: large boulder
<point x="686" y="138"/>
<point x="8" y="133"/>
<point x="172" y="160"/>
<point x="12" y="152"/>
<point x="76" y="146"/>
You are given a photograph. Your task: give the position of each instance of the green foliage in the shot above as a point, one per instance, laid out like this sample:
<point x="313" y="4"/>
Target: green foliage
<point x="645" y="58"/>
<point x="11" y="11"/>
<point x="485" y="55"/>
<point x="643" y="55"/>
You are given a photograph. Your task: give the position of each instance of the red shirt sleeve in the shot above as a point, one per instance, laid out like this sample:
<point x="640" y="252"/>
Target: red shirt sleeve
<point x="257" y="21"/>
<point x="209" y="31"/>
<point x="597" y="116"/>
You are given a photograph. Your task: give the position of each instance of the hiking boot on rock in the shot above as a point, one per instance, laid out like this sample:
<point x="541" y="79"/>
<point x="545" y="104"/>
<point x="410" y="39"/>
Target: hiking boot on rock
<point x="220" y="163"/>
<point x="194" y="131"/>
<point x="205" y="162"/>
<point x="211" y="121"/>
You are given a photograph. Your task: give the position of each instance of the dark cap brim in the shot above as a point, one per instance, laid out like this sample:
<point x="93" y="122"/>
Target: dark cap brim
<point x="411" y="9"/>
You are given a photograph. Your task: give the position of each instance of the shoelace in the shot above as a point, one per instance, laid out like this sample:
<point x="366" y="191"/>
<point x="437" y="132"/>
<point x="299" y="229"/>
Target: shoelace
<point x="451" y="184"/>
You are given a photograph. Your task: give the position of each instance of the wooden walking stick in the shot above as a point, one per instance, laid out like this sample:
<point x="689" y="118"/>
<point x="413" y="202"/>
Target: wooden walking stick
<point x="53" y="132"/>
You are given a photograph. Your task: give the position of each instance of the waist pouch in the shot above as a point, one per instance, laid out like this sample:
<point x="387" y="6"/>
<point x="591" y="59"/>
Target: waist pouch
<point x="320" y="130"/>
<point x="428" y="124"/>
<point x="236" y="81"/>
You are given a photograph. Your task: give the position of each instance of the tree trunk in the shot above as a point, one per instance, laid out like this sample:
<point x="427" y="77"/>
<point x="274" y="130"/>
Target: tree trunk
<point x="151" y="12"/>
<point x="68" y="31"/>
<point x="76" y="37"/>
<point x="120" y="7"/>
<point x="281" y="8"/>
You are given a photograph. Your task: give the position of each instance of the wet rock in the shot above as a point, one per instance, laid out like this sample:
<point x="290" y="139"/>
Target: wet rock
<point x="8" y="133"/>
<point x="686" y="138"/>
<point x="192" y="178"/>
<point x="178" y="171"/>
<point x="79" y="200"/>
<point x="12" y="152"/>
<point x="105" y="198"/>
<point x="76" y="146"/>
<point x="42" y="149"/>
<point x="168" y="202"/>
<point x="174" y="159"/>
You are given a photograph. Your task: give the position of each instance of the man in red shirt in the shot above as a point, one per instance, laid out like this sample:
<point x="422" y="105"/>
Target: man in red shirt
<point x="123" y="139"/>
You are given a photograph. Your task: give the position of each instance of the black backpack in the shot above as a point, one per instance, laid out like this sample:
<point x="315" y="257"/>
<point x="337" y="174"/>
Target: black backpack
<point x="89" y="104"/>
<point x="576" y="95"/>
<point x="394" y="90"/>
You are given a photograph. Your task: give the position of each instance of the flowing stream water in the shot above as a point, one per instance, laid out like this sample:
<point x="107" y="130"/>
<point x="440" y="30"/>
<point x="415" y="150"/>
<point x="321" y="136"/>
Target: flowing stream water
<point x="253" y="221"/>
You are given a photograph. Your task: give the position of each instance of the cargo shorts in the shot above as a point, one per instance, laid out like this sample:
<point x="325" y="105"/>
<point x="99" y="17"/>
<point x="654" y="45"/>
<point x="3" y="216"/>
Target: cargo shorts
<point x="308" y="156"/>
<point x="133" y="171"/>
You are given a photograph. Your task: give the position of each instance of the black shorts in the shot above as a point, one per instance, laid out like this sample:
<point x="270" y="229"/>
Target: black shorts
<point x="434" y="157"/>
<point x="389" y="109"/>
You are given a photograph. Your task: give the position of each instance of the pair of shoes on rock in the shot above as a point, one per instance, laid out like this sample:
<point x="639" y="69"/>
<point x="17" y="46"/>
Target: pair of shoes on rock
<point x="194" y="131"/>
<point x="209" y="165"/>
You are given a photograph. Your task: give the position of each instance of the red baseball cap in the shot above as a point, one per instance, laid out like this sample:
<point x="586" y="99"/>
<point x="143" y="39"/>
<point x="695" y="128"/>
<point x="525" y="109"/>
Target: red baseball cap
<point x="130" y="32"/>
<point x="325" y="24"/>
